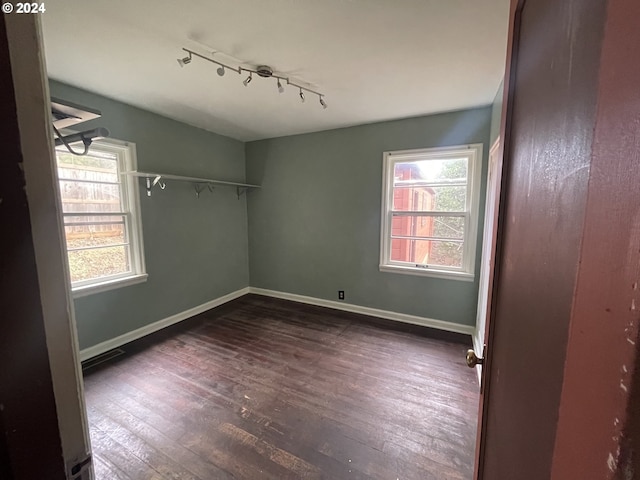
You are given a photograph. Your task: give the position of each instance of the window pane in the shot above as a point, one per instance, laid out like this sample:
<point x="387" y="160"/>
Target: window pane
<point x="428" y="226"/>
<point x="99" y="262"/>
<point x="437" y="171"/>
<point x="89" y="183"/>
<point x="91" y="235"/>
<point x="427" y="252"/>
<point x="89" y="197"/>
<point x="446" y="254"/>
<point x="96" y="165"/>
<point x="435" y="199"/>
<point x="449" y="227"/>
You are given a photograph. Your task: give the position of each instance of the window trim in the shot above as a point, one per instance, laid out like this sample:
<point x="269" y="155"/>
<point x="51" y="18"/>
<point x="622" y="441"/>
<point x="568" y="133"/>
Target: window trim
<point x="127" y="161"/>
<point x="471" y="213"/>
<point x="111" y="284"/>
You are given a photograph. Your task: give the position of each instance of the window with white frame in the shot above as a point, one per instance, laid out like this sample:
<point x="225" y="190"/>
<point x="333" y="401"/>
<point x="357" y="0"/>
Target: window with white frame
<point x="100" y="208"/>
<point x="430" y="207"/>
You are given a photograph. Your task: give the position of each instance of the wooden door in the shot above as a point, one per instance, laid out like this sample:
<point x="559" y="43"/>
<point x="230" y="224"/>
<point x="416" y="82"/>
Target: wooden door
<point x="547" y="130"/>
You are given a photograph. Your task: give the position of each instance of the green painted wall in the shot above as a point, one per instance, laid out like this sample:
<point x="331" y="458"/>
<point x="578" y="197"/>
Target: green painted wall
<point x="496" y="114"/>
<point x="313" y="229"/>
<point x="195" y="249"/>
<point x="315" y="225"/>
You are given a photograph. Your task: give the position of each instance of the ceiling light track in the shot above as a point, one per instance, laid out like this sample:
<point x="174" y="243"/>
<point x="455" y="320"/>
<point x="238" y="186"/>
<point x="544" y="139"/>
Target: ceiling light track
<point x="262" y="71"/>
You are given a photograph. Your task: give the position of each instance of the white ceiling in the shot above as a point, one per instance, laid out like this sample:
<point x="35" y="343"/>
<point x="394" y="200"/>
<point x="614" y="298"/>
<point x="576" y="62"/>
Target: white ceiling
<point x="373" y="59"/>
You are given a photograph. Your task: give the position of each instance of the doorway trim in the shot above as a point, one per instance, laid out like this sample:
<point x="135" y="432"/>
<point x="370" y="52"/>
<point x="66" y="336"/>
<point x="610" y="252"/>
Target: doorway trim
<point x="488" y="250"/>
<point x="24" y="35"/>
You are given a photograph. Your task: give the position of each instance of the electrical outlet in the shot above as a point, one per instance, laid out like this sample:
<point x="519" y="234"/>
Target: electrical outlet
<point x="340" y="294"/>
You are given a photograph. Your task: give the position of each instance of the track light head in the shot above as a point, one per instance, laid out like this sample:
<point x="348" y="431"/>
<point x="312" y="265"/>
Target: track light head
<point x="247" y="80"/>
<point x="322" y="102"/>
<point x="221" y="71"/>
<point x="280" y="87"/>
<point x="184" y="61"/>
<point x="302" y="96"/>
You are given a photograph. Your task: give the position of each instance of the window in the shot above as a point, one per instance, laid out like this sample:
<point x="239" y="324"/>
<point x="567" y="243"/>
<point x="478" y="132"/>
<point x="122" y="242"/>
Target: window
<point x="101" y="220"/>
<point x="430" y="209"/>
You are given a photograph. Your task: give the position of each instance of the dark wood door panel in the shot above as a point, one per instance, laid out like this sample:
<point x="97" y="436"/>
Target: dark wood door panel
<point x="547" y="158"/>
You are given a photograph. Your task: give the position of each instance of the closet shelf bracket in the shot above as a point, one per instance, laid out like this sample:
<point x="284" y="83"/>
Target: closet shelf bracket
<point x="241" y="190"/>
<point x="201" y="187"/>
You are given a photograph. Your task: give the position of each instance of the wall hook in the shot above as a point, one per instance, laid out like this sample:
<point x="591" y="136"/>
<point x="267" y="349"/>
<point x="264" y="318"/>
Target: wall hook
<point x="156" y="181"/>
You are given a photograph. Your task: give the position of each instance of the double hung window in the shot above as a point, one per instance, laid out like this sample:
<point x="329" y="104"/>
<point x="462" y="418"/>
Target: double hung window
<point x="430" y="211"/>
<point x="101" y="217"/>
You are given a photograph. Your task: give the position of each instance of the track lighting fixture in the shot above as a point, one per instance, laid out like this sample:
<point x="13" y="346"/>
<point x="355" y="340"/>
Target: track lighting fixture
<point x="184" y="61"/>
<point x="263" y="71"/>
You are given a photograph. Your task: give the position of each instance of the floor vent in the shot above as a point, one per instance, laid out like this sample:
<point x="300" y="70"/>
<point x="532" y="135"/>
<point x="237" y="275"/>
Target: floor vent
<point x="103" y="357"/>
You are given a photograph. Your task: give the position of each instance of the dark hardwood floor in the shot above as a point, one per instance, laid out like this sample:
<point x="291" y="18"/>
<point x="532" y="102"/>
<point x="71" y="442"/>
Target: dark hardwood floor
<point x="269" y="389"/>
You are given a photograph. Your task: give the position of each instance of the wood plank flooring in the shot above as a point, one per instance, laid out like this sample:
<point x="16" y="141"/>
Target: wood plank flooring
<point x="269" y="389"/>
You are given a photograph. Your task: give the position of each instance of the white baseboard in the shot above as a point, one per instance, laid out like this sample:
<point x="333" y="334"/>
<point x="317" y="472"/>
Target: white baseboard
<point x="103" y="347"/>
<point x="116" y="342"/>
<point x="373" y="312"/>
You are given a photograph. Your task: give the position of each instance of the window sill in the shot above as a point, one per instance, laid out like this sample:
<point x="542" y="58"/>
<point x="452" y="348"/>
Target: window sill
<point x="85" y="290"/>
<point x="446" y="274"/>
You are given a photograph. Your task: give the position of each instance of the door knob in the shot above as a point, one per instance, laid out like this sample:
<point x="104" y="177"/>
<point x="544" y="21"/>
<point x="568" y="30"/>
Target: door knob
<point x="473" y="359"/>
